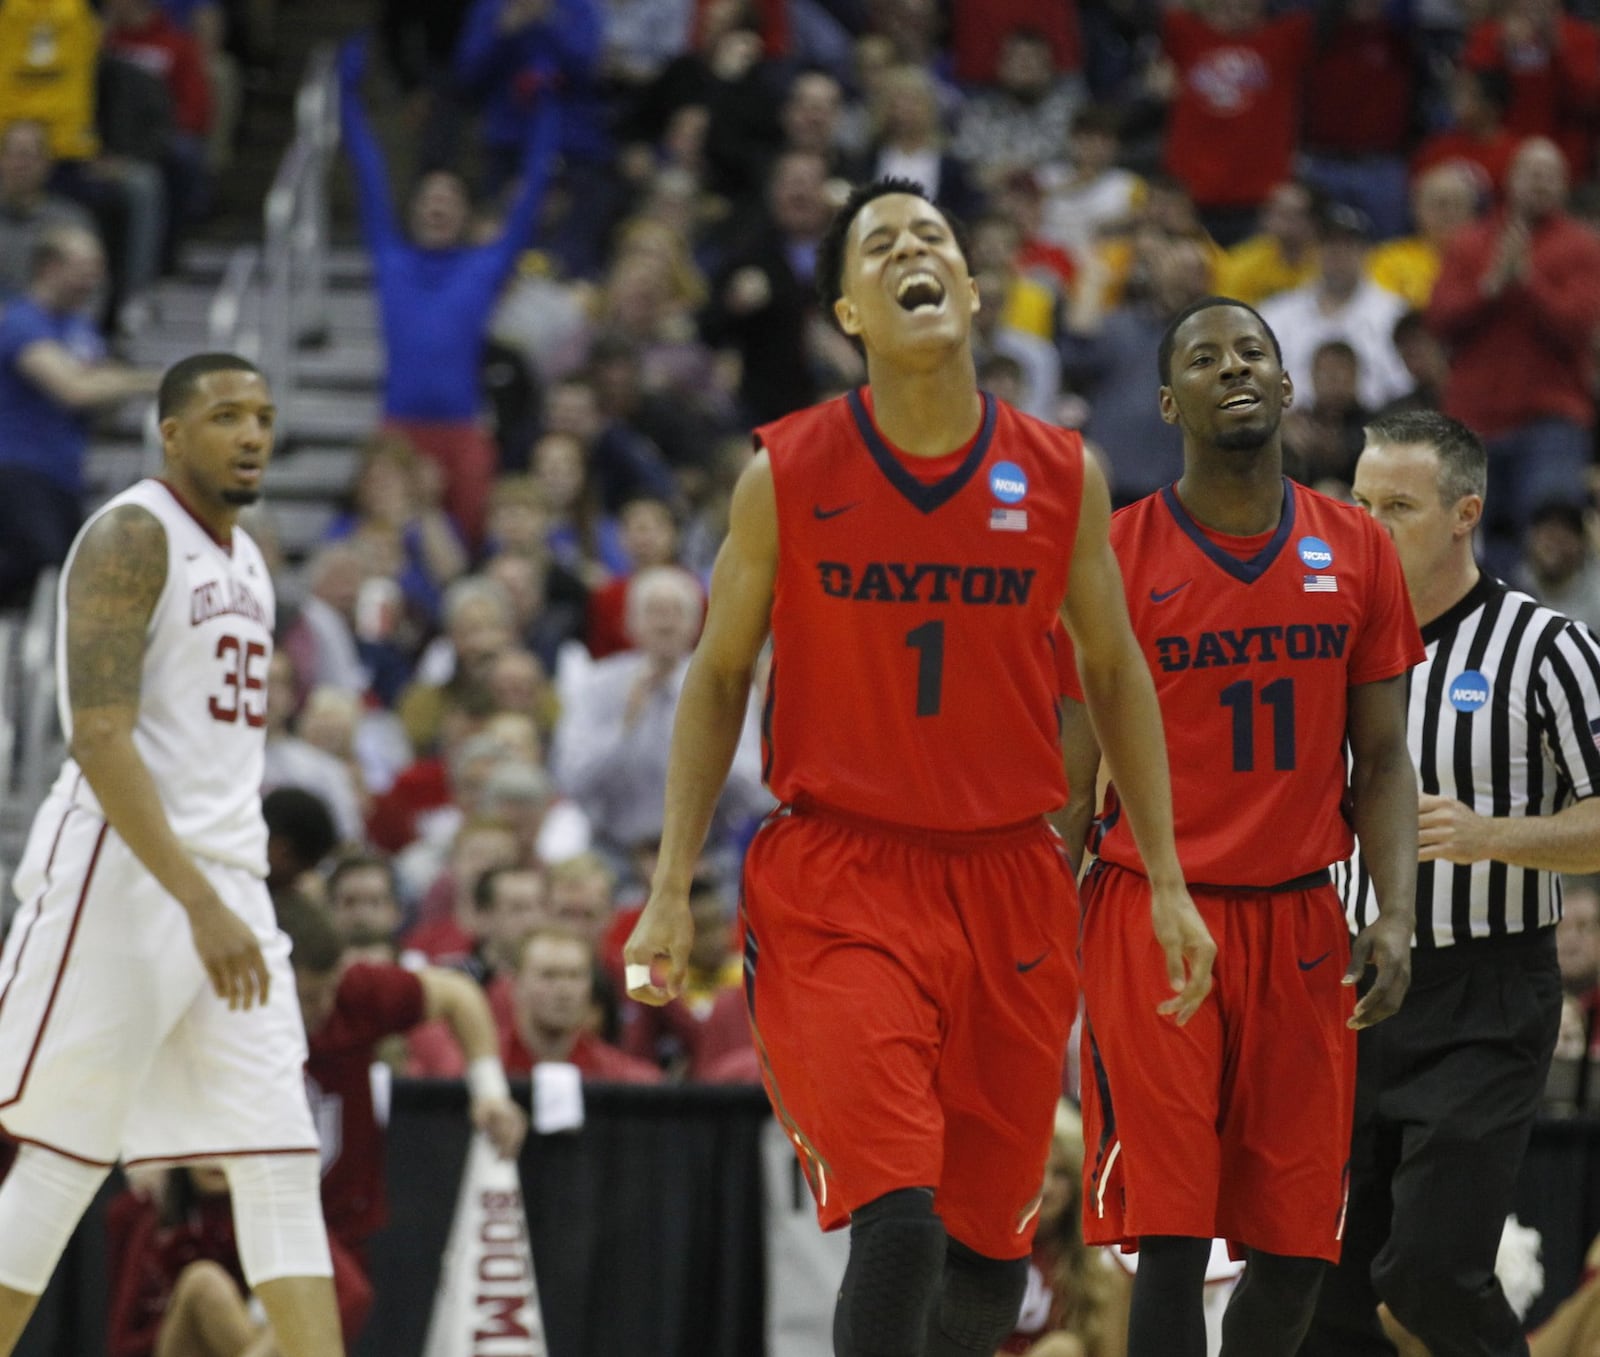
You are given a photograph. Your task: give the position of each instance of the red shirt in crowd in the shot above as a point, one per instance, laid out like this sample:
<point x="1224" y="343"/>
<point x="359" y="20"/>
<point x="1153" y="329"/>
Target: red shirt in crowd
<point x="1555" y="91"/>
<point x="1373" y="56"/>
<point x="1490" y="156"/>
<point x="163" y="49"/>
<point x="1231" y="135"/>
<point x="372" y="1002"/>
<point x="595" y="1059"/>
<point x="978" y="29"/>
<point x="1524" y="354"/>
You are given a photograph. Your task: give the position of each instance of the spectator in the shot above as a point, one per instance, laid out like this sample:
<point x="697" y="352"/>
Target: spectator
<point x="176" y="1285"/>
<point x="1110" y="357"/>
<point x="436" y="295"/>
<point x="683" y="425"/>
<point x="1479" y="137"/>
<point x="517" y="58"/>
<point x="909" y="142"/>
<point x="1426" y="362"/>
<point x="455" y="668"/>
<point x="583" y="898"/>
<point x="1040" y="363"/>
<point x="1022" y="120"/>
<point x="980" y="31"/>
<point x="618" y="461"/>
<point x="541" y="622"/>
<point x="1578" y="938"/>
<point x="300" y="834"/>
<point x="582" y="539"/>
<point x="997" y="246"/>
<point x="1076" y="1303"/>
<point x="650" y="538"/>
<point x="1237" y="79"/>
<point x="762" y="307"/>
<point x="553" y="999"/>
<point x="611" y="744"/>
<point x="395" y="499"/>
<point x="639" y="38"/>
<point x="1342" y="303"/>
<point x="1282" y="255"/>
<point x="294" y="762"/>
<point x="28" y="210"/>
<point x="1091" y="196"/>
<point x="1323" y="431"/>
<point x="1558" y="565"/>
<point x="53" y="374"/>
<point x="511" y="902"/>
<point x="1520" y="293"/>
<point x="1355" y="148"/>
<point x="322" y="638"/>
<point x="347" y="1011"/>
<point x="363" y="905"/>
<point x="1443" y="200"/>
<point x="810" y="117"/>
<point x="550" y="828"/>
<point x="139" y="33"/>
<point x="1552" y="61"/>
<point x="445" y="919"/>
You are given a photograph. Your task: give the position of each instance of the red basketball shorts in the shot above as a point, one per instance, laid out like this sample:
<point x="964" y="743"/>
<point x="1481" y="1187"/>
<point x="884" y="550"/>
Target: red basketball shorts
<point x="911" y="995"/>
<point x="1237" y="1125"/>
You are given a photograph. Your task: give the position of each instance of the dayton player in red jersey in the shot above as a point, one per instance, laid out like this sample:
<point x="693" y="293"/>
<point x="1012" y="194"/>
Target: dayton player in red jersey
<point x="1277" y="626"/>
<point x="910" y="921"/>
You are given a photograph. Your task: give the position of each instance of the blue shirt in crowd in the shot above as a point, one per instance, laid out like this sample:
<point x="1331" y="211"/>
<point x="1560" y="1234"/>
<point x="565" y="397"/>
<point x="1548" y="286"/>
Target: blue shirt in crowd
<point x="37" y="432"/>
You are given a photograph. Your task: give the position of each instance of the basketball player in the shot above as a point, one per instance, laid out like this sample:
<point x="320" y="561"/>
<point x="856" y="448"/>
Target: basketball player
<point x="910" y="920"/>
<point x="147" y="1010"/>
<point x="1278" y="629"/>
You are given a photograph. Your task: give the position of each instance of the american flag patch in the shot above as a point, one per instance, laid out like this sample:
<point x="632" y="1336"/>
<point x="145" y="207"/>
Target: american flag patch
<point x="1008" y="520"/>
<point x="1322" y="584"/>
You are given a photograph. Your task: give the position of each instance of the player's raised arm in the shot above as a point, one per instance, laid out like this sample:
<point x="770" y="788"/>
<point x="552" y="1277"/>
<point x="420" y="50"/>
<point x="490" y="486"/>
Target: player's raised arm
<point x="113" y="582"/>
<point x="1121" y="699"/>
<point x="705" y="733"/>
<point x="1383" y="789"/>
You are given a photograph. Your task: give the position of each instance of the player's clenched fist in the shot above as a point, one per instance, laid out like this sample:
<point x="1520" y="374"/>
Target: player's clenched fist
<point x="657" y="951"/>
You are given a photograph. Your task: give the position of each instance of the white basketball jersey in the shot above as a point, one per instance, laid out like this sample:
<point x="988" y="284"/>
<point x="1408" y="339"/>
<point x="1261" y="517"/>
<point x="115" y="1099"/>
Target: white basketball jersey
<point x="203" y="687"/>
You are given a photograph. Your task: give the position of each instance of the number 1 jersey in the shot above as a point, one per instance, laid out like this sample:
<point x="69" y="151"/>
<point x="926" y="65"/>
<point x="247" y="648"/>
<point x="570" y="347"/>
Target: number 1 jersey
<point x="913" y="675"/>
<point x="1253" y="659"/>
<point x="201" y="728"/>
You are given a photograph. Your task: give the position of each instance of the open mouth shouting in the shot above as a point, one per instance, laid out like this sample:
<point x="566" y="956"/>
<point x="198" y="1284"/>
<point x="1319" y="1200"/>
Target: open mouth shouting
<point x="920" y="292"/>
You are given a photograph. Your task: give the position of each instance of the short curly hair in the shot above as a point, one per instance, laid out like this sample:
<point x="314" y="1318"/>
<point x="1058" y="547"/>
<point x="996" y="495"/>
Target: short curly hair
<point x="831" y="249"/>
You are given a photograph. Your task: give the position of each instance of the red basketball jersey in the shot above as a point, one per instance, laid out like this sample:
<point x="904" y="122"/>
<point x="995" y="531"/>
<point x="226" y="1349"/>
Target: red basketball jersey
<point x="1253" y="660"/>
<point x="914" y="675"/>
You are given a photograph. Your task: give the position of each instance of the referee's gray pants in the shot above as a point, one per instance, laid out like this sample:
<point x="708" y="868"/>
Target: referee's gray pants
<point x="1446" y="1095"/>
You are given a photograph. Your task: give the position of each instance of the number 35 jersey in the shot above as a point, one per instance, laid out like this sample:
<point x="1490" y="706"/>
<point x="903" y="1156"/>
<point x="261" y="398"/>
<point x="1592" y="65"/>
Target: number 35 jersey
<point x="201" y="729"/>
<point x="913" y="676"/>
<point x="1253" y="658"/>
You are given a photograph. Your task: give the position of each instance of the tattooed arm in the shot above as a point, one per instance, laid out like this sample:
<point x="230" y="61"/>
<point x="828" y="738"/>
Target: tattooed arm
<point x="114" y="582"/>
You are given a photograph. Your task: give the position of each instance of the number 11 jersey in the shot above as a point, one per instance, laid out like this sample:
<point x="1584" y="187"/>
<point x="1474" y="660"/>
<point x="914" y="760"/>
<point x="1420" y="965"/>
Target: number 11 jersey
<point x="913" y="675"/>
<point x="1254" y="644"/>
<point x="201" y="728"/>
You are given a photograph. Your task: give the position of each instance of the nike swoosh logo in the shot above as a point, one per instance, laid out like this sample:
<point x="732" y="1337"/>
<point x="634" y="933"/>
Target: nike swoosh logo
<point x="819" y="513"/>
<point x="1023" y="967"/>
<point x="1161" y="596"/>
<point x="1315" y="961"/>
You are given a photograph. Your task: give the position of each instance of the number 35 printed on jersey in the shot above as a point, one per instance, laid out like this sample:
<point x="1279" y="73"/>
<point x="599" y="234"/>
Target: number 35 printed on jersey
<point x="244" y="682"/>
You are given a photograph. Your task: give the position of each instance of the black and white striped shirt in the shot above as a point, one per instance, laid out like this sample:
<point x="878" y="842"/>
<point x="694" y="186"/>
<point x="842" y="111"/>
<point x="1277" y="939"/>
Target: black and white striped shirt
<point x="1503" y="716"/>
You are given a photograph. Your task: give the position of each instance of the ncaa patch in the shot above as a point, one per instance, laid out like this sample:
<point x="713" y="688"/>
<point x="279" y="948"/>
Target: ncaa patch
<point x="1008" y="482"/>
<point x="1315" y="554"/>
<point x="1468" y="691"/>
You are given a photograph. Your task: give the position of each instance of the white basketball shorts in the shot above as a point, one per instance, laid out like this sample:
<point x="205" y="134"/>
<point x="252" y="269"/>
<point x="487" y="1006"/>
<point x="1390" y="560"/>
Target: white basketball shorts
<point x="112" y="1042"/>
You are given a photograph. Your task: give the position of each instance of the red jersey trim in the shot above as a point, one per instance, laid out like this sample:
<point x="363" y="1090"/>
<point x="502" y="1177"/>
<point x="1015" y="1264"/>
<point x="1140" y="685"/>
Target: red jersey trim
<point x="65" y="1154"/>
<point x="188" y="509"/>
<point x="930" y="496"/>
<point x="61" y="969"/>
<point x="220" y="1154"/>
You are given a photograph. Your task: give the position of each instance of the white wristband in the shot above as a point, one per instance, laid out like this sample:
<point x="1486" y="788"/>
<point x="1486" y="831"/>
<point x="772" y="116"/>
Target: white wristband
<point x="486" y="1078"/>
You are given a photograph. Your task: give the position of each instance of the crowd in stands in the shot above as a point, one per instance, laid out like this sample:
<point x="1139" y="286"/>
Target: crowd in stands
<point x="594" y="275"/>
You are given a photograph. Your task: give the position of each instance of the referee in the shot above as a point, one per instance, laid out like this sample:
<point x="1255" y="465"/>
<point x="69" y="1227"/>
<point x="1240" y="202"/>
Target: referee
<point x="1503" y="719"/>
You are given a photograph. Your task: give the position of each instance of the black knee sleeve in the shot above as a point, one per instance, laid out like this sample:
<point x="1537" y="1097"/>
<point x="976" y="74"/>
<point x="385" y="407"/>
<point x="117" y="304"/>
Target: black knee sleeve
<point x="978" y="1303"/>
<point x="897" y="1249"/>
